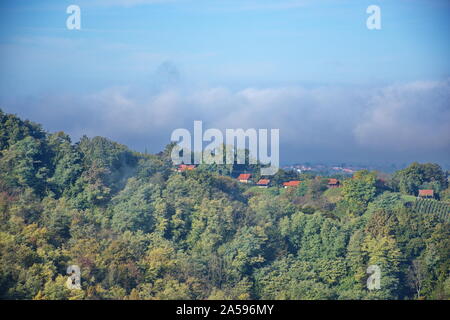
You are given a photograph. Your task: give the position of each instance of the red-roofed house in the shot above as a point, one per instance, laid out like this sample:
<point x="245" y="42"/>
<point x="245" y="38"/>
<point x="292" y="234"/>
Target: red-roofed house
<point x="184" y="167"/>
<point x="334" y="183"/>
<point x="292" y="183"/>
<point x="263" y="183"/>
<point x="244" y="177"/>
<point x="424" y="193"/>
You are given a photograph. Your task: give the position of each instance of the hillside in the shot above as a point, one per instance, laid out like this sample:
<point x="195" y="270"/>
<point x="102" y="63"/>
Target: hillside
<point x="138" y="228"/>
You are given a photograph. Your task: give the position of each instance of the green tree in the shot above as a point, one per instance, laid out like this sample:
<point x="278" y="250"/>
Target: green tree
<point x="359" y="191"/>
<point x="24" y="164"/>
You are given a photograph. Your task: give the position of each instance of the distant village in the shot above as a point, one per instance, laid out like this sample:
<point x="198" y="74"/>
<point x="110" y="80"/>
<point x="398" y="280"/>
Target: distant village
<point x="345" y="168"/>
<point x="322" y="168"/>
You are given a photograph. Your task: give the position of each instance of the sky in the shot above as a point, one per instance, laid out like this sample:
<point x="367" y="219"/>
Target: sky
<point x="139" y="69"/>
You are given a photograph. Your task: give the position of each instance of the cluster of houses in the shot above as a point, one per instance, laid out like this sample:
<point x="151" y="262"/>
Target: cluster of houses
<point x="265" y="183"/>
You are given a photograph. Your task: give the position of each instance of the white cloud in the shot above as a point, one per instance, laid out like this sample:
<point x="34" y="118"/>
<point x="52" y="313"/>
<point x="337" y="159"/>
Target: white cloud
<point x="329" y="123"/>
<point x="401" y="117"/>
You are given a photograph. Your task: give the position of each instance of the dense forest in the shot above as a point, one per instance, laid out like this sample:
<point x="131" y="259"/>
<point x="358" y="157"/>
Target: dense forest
<point x="139" y="229"/>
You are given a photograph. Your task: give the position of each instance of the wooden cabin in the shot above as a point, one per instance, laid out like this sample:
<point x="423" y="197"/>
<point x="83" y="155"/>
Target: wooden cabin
<point x="244" y="177"/>
<point x="426" y="194"/>
<point x="185" y="167"/>
<point x="292" y="183"/>
<point x="334" y="183"/>
<point x="263" y="183"/>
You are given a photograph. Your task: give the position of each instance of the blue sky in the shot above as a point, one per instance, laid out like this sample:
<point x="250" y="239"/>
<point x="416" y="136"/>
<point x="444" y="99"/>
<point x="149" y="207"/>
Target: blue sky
<point x="160" y="63"/>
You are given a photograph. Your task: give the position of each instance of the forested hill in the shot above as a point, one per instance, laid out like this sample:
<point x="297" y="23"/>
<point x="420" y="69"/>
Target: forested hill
<point x="140" y="229"/>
